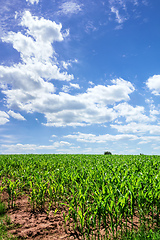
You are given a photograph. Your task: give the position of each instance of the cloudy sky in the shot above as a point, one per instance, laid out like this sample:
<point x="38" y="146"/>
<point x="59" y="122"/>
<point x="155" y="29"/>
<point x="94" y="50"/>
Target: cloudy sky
<point x="80" y="76"/>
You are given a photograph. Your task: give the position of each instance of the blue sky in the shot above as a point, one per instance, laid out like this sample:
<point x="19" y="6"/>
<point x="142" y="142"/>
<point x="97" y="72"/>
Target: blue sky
<point x="80" y="76"/>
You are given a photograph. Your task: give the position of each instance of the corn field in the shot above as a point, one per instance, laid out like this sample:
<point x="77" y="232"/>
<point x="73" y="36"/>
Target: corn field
<point x="104" y="197"/>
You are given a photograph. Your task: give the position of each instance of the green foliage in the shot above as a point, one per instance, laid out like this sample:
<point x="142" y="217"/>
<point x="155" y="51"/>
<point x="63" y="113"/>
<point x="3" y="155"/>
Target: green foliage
<point x="4" y="226"/>
<point x="97" y="191"/>
<point x="2" y="208"/>
<point x="142" y="234"/>
<point x="7" y="220"/>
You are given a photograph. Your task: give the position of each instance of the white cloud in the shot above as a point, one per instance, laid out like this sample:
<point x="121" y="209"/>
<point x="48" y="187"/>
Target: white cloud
<point x="17" y="116"/>
<point x="28" y="81"/>
<point x="81" y="116"/>
<point x="4" y="118"/>
<point x="154" y="112"/>
<point x="75" y="85"/>
<point x="54" y="136"/>
<point x="109" y="140"/>
<point x="21" y="77"/>
<point x="153" y="83"/>
<point x="121" y="10"/>
<point x="33" y="1"/>
<point x="92" y="138"/>
<point x="23" y="148"/>
<point x="54" y="145"/>
<point x="7" y="139"/>
<point x="149" y="101"/>
<point x="70" y="7"/>
<point x="118" y="91"/>
<point x="29" y="92"/>
<point x="150" y="139"/>
<point x="91" y="83"/>
<point x="69" y="63"/>
<point x="66" y="64"/>
<point x="132" y="113"/>
<point x="29" y="48"/>
<point x="134" y="127"/>
<point x="119" y="18"/>
<point x="87" y="108"/>
<point x="27" y="87"/>
<point x="42" y="29"/>
<point x="36" y="50"/>
<point x="67" y="88"/>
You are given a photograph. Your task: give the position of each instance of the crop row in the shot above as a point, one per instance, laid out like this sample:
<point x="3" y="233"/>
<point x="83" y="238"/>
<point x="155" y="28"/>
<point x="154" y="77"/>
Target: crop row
<point x="98" y="191"/>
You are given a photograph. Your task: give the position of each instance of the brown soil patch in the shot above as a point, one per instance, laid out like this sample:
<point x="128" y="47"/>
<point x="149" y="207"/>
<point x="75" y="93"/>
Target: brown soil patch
<point x="38" y="225"/>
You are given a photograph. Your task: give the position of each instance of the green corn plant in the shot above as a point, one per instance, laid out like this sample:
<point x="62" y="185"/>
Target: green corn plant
<point x="110" y="210"/>
<point x="32" y="196"/>
<point x="41" y="188"/>
<point x="50" y="192"/>
<point x="100" y="192"/>
<point x="2" y="187"/>
<point x="132" y="201"/>
<point x="65" y="217"/>
<point x="81" y="220"/>
<point x="11" y="188"/>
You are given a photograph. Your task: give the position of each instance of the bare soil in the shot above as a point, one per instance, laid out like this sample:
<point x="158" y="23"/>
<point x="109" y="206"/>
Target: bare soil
<point x="40" y="225"/>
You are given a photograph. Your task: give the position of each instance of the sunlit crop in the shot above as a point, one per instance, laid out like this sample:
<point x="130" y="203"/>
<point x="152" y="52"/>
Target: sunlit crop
<point x="99" y="192"/>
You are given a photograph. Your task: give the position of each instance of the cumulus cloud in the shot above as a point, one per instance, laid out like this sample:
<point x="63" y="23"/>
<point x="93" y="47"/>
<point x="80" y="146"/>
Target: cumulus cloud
<point x="42" y="29"/>
<point x="75" y="85"/>
<point x="150" y="139"/>
<point x="132" y="113"/>
<point x="153" y="83"/>
<point x="108" y="138"/>
<point x="92" y="138"/>
<point x="35" y="47"/>
<point x="17" y="116"/>
<point x="87" y="108"/>
<point x="33" y="1"/>
<point x="134" y="127"/>
<point x="69" y="63"/>
<point x="21" y="77"/>
<point x="4" y="118"/>
<point x="118" y="91"/>
<point x="28" y="85"/>
<point x="28" y="80"/>
<point x="67" y="88"/>
<point x="26" y="90"/>
<point x="91" y="83"/>
<point x="80" y="117"/>
<point x="53" y="136"/>
<point x="23" y="148"/>
<point x="70" y="7"/>
<point x="29" y="48"/>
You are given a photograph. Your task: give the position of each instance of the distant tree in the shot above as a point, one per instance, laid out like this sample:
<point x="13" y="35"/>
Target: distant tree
<point x="107" y="153"/>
